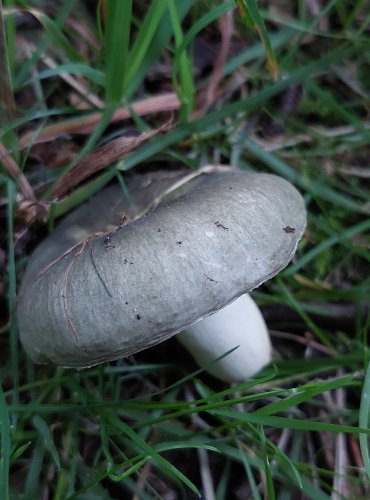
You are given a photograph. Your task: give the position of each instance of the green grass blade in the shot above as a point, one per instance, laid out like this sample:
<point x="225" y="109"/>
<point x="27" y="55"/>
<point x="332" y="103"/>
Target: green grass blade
<point x="151" y="452"/>
<point x="252" y="18"/>
<point x="7" y="105"/>
<point x="267" y="467"/>
<point x="364" y="419"/>
<point x="130" y="470"/>
<point x="252" y="482"/>
<point x="57" y="35"/>
<point x="313" y="186"/>
<point x="341" y="238"/>
<point x="34" y="471"/>
<point x="19" y="451"/>
<point x="305" y="392"/>
<point x="248" y="105"/>
<point x="255" y="51"/>
<point x="289" y="423"/>
<point x="45" y="434"/>
<point x="117" y="39"/>
<point x="337" y="109"/>
<point x="185" y="89"/>
<point x="159" y="42"/>
<point x="215" y="13"/>
<point x="143" y="40"/>
<point x="5" y="447"/>
<point x="94" y="75"/>
<point x="312" y="491"/>
<point x="12" y="292"/>
<point x="319" y="332"/>
<point x="56" y="28"/>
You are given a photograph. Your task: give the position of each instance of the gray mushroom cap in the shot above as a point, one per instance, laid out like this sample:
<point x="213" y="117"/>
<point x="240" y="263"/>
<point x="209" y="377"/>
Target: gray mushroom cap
<point x="115" y="295"/>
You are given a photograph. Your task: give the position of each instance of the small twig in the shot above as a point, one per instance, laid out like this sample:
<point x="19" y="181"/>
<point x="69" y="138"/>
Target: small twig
<point x="356" y="452"/>
<point x="64" y="292"/>
<point x="312" y="459"/>
<point x="303" y="340"/>
<point x="226" y="28"/>
<point x="340" y="486"/>
<point x="207" y="169"/>
<point x="75" y="84"/>
<point x="206" y="475"/>
<point x="86" y="124"/>
<point x="315" y="8"/>
<point x="284" y="439"/>
<point x="16" y="173"/>
<point x="281" y="142"/>
<point x="53" y="262"/>
<point x="205" y="470"/>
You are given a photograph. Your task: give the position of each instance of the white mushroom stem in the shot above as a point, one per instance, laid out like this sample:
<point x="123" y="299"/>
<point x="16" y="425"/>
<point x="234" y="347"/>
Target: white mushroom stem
<point x="241" y="325"/>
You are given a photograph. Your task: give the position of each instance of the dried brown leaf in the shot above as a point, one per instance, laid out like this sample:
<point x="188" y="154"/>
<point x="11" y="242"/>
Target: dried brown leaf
<point x="102" y="157"/>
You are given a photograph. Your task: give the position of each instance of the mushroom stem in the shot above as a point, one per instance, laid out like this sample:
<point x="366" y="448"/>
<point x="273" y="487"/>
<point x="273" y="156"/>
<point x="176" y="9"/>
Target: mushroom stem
<point x="241" y="325"/>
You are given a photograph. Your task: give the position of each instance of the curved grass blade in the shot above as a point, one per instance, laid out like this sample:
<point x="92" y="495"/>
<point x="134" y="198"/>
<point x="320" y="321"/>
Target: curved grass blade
<point x="117" y="39"/>
<point x="304" y="393"/>
<point x="7" y="104"/>
<point x="185" y="91"/>
<point x="151" y="452"/>
<point x="143" y="40"/>
<point x="45" y="434"/>
<point x="94" y="75"/>
<point x="364" y="419"/>
<point x="158" y="43"/>
<point x="266" y="462"/>
<point x="252" y="18"/>
<point x="5" y="446"/>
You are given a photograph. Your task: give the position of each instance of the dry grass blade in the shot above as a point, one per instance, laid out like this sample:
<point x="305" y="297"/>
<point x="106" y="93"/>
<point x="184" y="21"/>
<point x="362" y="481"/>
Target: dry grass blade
<point x="211" y="93"/>
<point x="281" y="142"/>
<point x="307" y="340"/>
<point x="16" y="173"/>
<point x="86" y="124"/>
<point x="340" y="483"/>
<point x="206" y="169"/>
<point x="102" y="157"/>
<point x="79" y="86"/>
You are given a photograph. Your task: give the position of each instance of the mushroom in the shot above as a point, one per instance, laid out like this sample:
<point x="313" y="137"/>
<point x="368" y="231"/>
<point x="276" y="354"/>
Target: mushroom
<point x="88" y="297"/>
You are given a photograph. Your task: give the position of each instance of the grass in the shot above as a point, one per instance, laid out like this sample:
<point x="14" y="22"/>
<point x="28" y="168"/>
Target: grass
<point x="153" y="426"/>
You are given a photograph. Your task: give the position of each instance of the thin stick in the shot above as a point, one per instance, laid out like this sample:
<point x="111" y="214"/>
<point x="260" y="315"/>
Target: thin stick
<point x="16" y="173"/>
